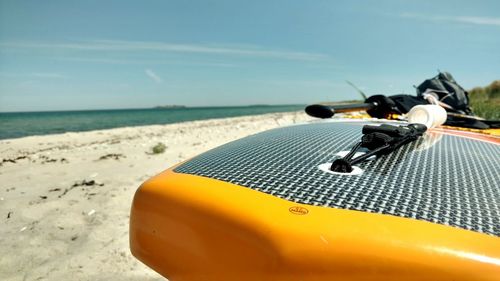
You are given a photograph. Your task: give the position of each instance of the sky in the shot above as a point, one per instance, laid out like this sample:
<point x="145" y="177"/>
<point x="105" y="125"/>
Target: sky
<point x="70" y="55"/>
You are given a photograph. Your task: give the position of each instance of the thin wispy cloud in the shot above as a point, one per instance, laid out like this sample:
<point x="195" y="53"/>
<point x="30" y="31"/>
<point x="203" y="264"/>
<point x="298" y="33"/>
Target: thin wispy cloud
<point x="151" y="74"/>
<point x="479" y="20"/>
<point x="139" y="61"/>
<point x="454" y="19"/>
<point x="49" y="75"/>
<point x="132" y="46"/>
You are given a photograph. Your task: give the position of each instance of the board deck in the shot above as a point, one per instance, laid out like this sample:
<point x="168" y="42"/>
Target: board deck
<point x="262" y="207"/>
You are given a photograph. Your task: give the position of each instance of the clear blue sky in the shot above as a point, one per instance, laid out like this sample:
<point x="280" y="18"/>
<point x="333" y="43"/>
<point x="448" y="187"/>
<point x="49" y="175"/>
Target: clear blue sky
<point x="63" y="55"/>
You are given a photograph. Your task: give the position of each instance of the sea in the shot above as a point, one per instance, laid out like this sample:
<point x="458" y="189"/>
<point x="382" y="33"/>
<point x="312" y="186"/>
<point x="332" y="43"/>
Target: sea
<point x="22" y="124"/>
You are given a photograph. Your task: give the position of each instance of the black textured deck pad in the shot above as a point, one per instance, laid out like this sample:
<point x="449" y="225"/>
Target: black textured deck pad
<point x="454" y="182"/>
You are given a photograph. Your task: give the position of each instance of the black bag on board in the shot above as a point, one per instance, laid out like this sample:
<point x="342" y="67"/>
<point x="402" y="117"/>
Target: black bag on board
<point x="447" y="90"/>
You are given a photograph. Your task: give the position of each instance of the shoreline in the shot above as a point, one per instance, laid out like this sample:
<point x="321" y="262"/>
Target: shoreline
<point x="65" y="199"/>
<point x="49" y="139"/>
<point x="18" y="125"/>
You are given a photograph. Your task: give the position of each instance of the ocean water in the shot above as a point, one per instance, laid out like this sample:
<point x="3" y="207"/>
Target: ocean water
<point x="21" y="124"/>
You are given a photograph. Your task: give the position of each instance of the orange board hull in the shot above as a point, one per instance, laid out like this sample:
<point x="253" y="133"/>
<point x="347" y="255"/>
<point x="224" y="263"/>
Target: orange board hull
<point x="189" y="227"/>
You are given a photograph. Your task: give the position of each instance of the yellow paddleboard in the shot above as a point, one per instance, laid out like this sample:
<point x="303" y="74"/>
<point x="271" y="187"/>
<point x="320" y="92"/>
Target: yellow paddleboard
<point x="263" y="208"/>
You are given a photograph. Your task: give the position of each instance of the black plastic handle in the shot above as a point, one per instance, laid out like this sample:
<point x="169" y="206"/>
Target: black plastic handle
<point x="327" y="111"/>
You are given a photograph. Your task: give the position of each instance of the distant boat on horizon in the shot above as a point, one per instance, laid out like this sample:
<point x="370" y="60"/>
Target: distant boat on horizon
<point x="169" y="106"/>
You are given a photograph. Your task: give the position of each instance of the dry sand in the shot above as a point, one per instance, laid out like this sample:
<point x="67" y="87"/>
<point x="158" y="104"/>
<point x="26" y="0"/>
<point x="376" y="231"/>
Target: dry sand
<point x="65" y="199"/>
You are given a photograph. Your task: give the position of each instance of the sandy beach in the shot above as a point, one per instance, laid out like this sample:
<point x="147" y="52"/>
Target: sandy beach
<point x="65" y="199"/>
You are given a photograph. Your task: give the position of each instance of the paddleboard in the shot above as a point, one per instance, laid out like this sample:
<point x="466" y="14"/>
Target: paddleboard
<point x="267" y="207"/>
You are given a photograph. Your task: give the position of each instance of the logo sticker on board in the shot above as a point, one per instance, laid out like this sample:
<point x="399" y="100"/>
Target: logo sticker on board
<point x="297" y="210"/>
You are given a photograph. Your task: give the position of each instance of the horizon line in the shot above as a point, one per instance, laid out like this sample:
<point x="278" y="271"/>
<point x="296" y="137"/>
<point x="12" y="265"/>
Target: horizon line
<point x="166" y="107"/>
